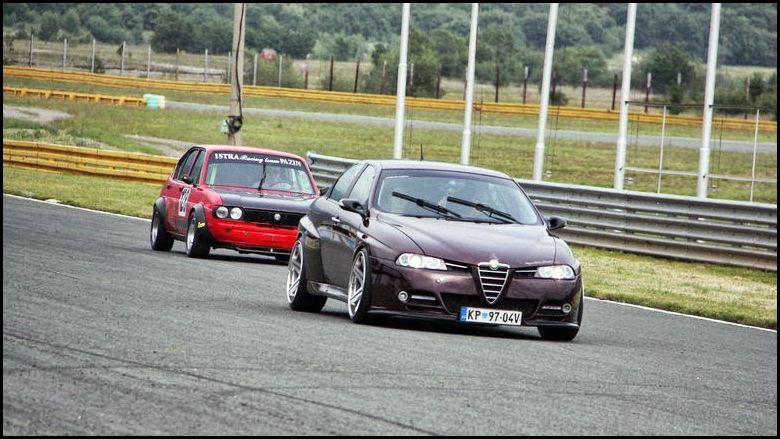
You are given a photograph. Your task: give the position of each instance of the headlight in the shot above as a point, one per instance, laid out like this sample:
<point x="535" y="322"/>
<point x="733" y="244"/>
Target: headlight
<point x="222" y="212"/>
<point x="419" y="261"/>
<point x="236" y="213"/>
<point x="555" y="272"/>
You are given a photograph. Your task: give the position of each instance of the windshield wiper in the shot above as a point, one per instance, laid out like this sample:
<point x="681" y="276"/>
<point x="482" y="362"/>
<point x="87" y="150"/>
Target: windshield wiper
<point x="262" y="179"/>
<point x="487" y="210"/>
<point x="427" y="204"/>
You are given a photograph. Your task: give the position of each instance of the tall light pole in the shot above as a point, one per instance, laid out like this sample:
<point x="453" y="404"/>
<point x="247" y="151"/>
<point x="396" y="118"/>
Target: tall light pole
<point x="465" y="146"/>
<point x="625" y="96"/>
<point x="545" y="98"/>
<point x="235" y="118"/>
<point x="709" y="95"/>
<point x="400" y="100"/>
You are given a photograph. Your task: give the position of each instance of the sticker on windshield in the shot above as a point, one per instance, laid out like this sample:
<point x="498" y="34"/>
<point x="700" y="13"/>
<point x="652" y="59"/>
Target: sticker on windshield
<point x="225" y="157"/>
<point x="185" y="194"/>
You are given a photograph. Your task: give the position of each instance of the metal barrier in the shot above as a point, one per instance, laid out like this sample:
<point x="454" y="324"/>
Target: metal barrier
<point x="374" y="99"/>
<point x="688" y="228"/>
<point x="136" y="167"/>
<point x="74" y="96"/>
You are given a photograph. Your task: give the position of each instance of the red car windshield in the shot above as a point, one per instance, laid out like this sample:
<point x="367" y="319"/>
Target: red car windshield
<point x="249" y="170"/>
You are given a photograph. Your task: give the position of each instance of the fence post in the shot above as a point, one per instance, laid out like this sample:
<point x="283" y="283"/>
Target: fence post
<point x="661" y="158"/>
<point x="498" y="79"/>
<point x="438" y="82"/>
<point x="411" y="80"/>
<point x="92" y="67"/>
<point x="755" y="145"/>
<point x="306" y="72"/>
<point x="148" y="61"/>
<point x="177" y="65"/>
<point x="330" y="84"/>
<point x="614" y="91"/>
<point x="384" y="78"/>
<point x="227" y="68"/>
<point x="647" y="89"/>
<point x="280" y="70"/>
<point x="205" y="64"/>
<point x="254" y="71"/>
<point x="357" y="75"/>
<point x="525" y="82"/>
<point x="31" y="49"/>
<point x="584" y="85"/>
<point x="64" y="52"/>
<point x="122" y="61"/>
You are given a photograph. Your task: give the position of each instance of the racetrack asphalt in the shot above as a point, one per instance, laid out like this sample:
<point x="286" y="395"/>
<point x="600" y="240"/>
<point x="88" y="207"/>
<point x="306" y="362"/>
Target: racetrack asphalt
<point x="103" y="336"/>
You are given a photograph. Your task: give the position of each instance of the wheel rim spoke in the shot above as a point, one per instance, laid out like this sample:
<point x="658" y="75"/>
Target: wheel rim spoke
<point x="295" y="268"/>
<point x="357" y="281"/>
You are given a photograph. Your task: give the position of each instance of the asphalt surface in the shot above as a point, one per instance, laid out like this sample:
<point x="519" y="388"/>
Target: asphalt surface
<point x="643" y="140"/>
<point x="103" y="336"/>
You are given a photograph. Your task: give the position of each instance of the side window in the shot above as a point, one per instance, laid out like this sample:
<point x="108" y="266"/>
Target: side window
<point x="340" y="188"/>
<point x="198" y="167"/>
<point x="185" y="164"/>
<point x="362" y="187"/>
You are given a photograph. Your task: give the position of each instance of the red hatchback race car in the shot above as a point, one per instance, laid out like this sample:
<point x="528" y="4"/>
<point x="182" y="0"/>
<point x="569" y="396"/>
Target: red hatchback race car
<point x="246" y="199"/>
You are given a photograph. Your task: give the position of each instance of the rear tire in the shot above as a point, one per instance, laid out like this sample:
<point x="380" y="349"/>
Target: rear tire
<point x="298" y="296"/>
<point x="159" y="238"/>
<point x="195" y="247"/>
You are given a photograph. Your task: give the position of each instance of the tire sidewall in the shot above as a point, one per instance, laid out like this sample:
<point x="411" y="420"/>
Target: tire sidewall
<point x="361" y="313"/>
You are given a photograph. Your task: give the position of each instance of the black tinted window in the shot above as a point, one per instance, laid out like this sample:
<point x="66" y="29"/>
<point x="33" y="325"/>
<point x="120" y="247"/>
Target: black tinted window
<point x="195" y="174"/>
<point x="340" y="188"/>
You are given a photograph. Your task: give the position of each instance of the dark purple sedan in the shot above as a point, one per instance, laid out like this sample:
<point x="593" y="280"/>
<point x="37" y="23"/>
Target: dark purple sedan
<point x="436" y="240"/>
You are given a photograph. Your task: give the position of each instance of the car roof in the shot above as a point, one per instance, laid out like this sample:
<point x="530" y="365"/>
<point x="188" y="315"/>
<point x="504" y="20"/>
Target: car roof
<point x="230" y="148"/>
<point x="435" y="166"/>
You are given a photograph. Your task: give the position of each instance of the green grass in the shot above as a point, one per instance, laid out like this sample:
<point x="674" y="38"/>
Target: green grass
<point x="586" y="163"/>
<point x="487" y="119"/>
<point x="733" y="294"/>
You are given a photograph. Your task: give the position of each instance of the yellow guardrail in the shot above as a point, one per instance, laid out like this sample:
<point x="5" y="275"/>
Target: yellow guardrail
<point x="373" y="99"/>
<point x="131" y="166"/>
<point x="74" y="96"/>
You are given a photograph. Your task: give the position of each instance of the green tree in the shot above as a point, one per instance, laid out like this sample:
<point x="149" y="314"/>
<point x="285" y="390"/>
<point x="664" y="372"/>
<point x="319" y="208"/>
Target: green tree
<point x="173" y="31"/>
<point x="664" y="63"/>
<point x="570" y="62"/>
<point x="50" y="25"/>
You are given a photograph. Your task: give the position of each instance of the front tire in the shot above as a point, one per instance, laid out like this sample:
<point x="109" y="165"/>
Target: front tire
<point x="196" y="248"/>
<point x="298" y="297"/>
<point x="159" y="238"/>
<point x="359" y="288"/>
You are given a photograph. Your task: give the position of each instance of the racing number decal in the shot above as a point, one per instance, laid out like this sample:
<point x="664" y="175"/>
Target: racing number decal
<point x="185" y="194"/>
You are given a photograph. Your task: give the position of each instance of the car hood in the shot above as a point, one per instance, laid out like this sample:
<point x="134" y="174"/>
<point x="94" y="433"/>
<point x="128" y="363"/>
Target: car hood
<point x="265" y="200"/>
<point x="514" y="244"/>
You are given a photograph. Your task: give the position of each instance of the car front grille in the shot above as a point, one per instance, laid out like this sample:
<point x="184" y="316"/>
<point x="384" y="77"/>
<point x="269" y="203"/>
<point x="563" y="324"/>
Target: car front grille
<point x="492" y="281"/>
<point x="453" y="302"/>
<point x="288" y="219"/>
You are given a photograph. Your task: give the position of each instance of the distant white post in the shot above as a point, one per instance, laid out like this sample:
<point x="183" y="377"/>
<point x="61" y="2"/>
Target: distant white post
<point x="401" y="86"/>
<point x="122" y="62"/>
<point x="254" y="72"/>
<point x="545" y="98"/>
<point x="709" y="95"/>
<point x="280" y="70"/>
<point x="205" y="64"/>
<point x="465" y="147"/>
<point x="64" y="52"/>
<point x="625" y="92"/>
<point x="92" y="68"/>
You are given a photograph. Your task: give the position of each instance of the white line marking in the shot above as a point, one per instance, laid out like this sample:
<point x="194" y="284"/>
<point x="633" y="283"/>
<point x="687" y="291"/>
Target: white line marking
<point x="683" y="315"/>
<point x="75" y="207"/>
<point x="589" y="298"/>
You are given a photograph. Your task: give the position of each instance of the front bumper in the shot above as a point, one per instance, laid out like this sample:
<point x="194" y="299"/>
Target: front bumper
<point x="251" y="237"/>
<point x="440" y="294"/>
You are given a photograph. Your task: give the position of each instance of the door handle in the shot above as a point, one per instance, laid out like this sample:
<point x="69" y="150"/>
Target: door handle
<point x="335" y="219"/>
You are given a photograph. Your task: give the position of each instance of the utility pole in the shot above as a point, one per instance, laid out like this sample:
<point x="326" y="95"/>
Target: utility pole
<point x="552" y="22"/>
<point x="236" y="115"/>
<point x="465" y="145"/>
<point x="709" y="97"/>
<point x="625" y="96"/>
<point x="400" y="99"/>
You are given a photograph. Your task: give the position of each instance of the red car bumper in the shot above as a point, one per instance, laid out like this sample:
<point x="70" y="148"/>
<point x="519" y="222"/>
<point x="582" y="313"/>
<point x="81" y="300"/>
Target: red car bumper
<point x="243" y="235"/>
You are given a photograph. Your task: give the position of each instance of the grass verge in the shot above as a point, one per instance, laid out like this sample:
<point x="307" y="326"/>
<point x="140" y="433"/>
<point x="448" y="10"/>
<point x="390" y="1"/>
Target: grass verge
<point x="726" y="293"/>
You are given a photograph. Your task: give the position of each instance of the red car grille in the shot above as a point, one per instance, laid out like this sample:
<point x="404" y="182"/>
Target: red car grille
<point x="269" y="217"/>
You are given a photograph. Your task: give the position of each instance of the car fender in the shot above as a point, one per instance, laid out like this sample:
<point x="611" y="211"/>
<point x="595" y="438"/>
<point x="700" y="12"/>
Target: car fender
<point x="202" y="229"/>
<point x="160" y="205"/>
<point x="312" y="254"/>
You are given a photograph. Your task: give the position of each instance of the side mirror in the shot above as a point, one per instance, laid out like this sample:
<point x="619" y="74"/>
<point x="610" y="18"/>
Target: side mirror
<point x="353" y="206"/>
<point x="187" y="179"/>
<point x="555" y="222"/>
<point x="324" y="190"/>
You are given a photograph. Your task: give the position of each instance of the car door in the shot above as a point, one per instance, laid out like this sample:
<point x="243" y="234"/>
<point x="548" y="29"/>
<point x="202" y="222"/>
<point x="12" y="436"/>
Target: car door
<point x="328" y="217"/>
<point x="195" y="194"/>
<point x="172" y="190"/>
<point x="176" y="205"/>
<point x="348" y="227"/>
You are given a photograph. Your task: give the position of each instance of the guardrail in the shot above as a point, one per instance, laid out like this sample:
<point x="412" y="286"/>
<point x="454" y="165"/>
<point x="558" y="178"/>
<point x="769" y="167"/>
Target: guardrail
<point x="74" y="96"/>
<point x="130" y="166"/>
<point x="375" y="99"/>
<point x="688" y="228"/>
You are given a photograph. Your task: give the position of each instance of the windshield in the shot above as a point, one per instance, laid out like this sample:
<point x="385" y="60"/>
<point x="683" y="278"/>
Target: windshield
<point x="448" y="190"/>
<point x="246" y="170"/>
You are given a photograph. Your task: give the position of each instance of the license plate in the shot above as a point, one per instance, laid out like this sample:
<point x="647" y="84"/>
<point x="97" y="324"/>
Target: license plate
<point x="491" y="316"/>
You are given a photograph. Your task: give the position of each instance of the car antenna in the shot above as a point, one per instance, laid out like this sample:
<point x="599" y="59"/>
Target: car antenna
<point x="262" y="179"/>
<point x="421" y="153"/>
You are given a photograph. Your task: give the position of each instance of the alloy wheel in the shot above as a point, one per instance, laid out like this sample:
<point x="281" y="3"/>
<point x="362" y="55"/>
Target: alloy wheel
<point x="294" y="270"/>
<point x="357" y="283"/>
